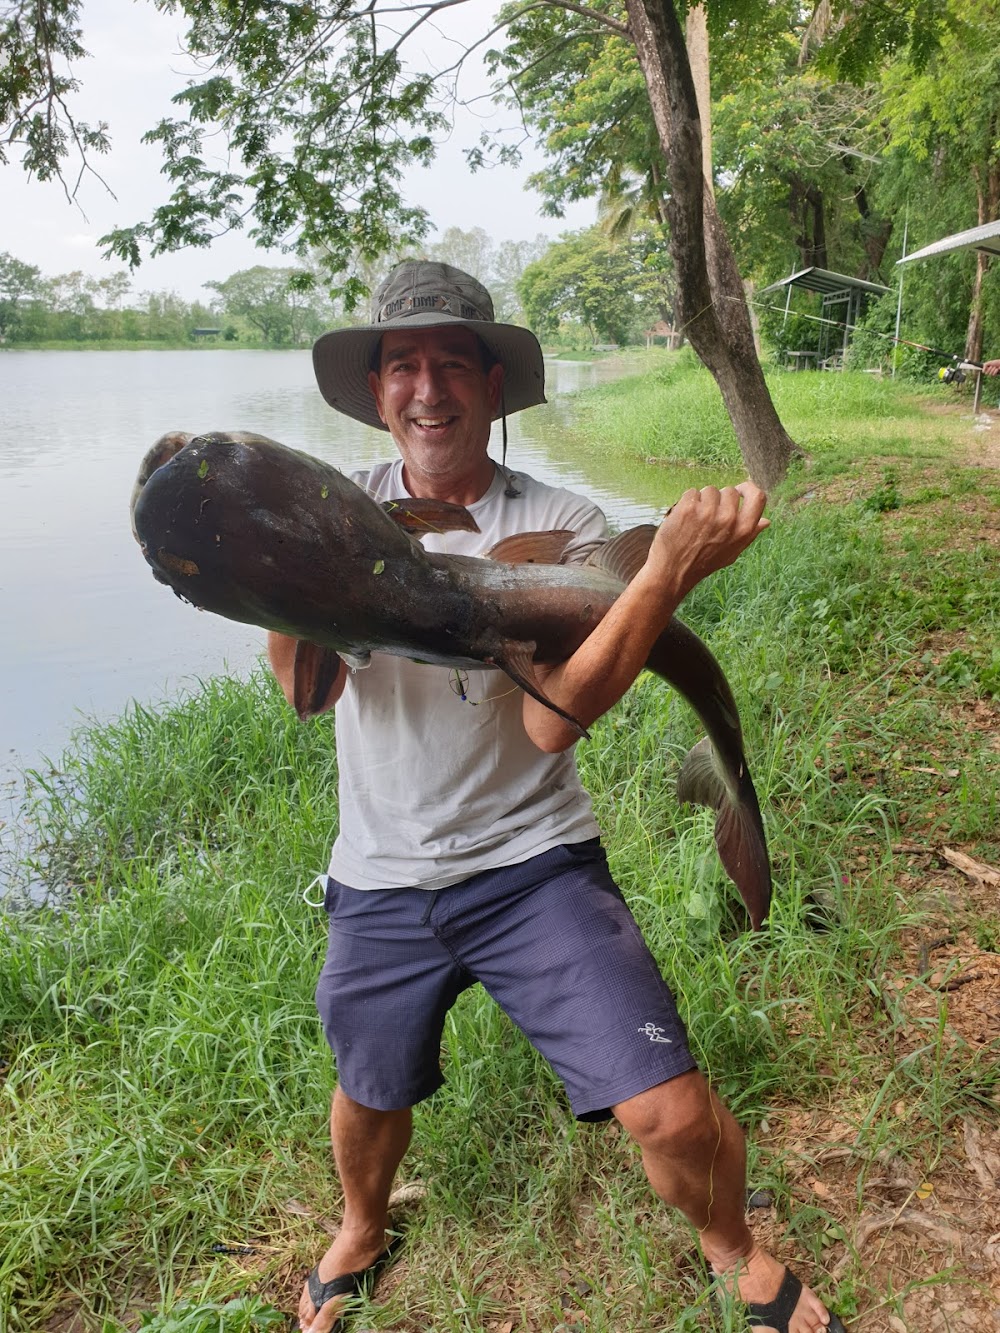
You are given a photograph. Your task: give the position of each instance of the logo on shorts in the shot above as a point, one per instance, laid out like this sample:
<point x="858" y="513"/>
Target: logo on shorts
<point x="654" y="1033"/>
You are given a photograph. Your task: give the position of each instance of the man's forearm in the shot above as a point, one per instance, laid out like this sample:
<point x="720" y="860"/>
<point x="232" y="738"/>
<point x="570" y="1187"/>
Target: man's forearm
<point x="605" y="665"/>
<point x="705" y="531"/>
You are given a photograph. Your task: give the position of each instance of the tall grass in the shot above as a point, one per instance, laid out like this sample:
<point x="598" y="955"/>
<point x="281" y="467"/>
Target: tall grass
<point x="675" y="411"/>
<point x="167" y="1079"/>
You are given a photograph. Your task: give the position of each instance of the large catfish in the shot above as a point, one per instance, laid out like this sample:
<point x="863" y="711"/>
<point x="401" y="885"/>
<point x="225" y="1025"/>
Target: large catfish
<point x="262" y="534"/>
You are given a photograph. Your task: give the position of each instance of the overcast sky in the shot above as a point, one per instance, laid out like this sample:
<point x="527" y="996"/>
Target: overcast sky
<point x="136" y="66"/>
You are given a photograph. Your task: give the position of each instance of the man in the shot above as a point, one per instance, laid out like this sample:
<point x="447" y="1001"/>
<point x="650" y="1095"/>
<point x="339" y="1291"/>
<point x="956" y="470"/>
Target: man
<point x="488" y="868"/>
<point x="992" y="367"/>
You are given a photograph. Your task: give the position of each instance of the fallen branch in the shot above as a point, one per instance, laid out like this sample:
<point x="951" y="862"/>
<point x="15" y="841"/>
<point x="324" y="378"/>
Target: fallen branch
<point x="984" y="1161"/>
<point x="977" y="871"/>
<point x="902" y="1219"/>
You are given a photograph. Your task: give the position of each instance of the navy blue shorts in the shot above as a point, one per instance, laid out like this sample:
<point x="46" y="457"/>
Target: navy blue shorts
<point x="554" y="943"/>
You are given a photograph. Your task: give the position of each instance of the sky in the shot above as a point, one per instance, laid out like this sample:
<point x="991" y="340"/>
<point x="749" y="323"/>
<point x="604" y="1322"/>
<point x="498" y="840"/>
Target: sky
<point x="136" y="65"/>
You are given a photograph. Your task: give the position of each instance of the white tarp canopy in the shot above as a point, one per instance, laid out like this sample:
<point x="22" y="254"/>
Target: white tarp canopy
<point x="985" y="238"/>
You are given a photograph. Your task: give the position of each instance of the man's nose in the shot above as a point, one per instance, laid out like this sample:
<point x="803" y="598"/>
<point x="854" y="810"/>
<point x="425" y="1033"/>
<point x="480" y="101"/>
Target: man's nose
<point x="429" y="384"/>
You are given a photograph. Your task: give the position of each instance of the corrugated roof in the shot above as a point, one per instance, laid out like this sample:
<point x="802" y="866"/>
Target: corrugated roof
<point x="824" y="280"/>
<point x="985" y="238"/>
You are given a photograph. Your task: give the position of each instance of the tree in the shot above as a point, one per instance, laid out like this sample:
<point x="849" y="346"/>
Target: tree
<point x="274" y="301"/>
<point x="21" y="287"/>
<point x="497" y="266"/>
<point x="612" y="288"/>
<point x="946" y="119"/>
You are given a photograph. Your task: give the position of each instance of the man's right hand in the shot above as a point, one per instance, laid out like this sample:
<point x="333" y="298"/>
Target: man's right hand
<point x="705" y="531"/>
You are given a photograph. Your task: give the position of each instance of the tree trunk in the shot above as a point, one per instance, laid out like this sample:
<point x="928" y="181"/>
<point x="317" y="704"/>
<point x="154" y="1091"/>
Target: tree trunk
<point x="696" y="41"/>
<point x="711" y="304"/>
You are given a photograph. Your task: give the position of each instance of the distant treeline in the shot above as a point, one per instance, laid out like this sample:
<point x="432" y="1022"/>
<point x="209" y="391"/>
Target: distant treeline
<point x="257" y="307"/>
<point x="587" y="288"/>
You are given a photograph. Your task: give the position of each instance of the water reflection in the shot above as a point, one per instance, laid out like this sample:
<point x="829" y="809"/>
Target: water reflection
<point x="85" y="628"/>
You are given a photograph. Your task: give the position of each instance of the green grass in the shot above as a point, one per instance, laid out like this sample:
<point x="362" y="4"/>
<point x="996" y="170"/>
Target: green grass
<point x="167" y="1078"/>
<point x="670" y="408"/>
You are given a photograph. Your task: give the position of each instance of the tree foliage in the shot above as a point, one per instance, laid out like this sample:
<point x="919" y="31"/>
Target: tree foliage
<point x="41" y="42"/>
<point x="615" y="289"/>
<point x="280" y="303"/>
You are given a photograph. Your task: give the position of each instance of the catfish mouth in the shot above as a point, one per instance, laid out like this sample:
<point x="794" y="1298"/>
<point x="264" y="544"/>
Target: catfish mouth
<point x="166" y="447"/>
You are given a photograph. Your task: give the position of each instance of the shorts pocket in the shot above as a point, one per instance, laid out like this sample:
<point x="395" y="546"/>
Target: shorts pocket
<point x="331" y="896"/>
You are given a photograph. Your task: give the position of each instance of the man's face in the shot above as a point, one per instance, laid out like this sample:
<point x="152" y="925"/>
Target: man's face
<point x="433" y="394"/>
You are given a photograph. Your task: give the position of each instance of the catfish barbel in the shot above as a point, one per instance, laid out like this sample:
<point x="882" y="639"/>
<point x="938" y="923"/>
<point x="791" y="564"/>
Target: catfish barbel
<point x="259" y="533"/>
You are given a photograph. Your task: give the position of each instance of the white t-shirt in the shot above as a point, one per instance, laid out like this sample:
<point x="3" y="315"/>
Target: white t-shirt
<point x="434" y="789"/>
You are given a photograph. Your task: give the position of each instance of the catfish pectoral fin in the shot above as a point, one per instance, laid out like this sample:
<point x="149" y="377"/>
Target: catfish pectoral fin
<point x="517" y="660"/>
<point x="315" y="671"/>
<point x="739" y="829"/>
<point x="423" y="516"/>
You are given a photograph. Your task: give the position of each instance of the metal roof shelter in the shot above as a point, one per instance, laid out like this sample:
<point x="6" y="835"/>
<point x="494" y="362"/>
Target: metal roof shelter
<point x="844" y="302"/>
<point x="985" y="239"/>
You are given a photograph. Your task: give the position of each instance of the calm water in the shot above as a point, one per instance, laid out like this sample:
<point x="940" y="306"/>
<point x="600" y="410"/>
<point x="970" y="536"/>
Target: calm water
<point x="84" y="629"/>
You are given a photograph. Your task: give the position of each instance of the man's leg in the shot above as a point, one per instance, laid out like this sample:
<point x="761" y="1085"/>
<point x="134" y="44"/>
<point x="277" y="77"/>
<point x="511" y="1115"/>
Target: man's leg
<point x="368" y="1146"/>
<point x="694" y="1156"/>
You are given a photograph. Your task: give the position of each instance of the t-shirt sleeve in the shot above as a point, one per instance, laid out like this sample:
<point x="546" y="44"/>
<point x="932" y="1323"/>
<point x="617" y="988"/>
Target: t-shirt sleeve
<point x="587" y="522"/>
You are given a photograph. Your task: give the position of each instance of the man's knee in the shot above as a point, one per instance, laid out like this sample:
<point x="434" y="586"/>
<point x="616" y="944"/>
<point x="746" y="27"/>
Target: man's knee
<point x="677" y="1118"/>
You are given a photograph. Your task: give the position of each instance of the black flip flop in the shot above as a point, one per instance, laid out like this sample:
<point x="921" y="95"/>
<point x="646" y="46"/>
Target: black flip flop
<point x="778" y="1313"/>
<point x="359" y="1283"/>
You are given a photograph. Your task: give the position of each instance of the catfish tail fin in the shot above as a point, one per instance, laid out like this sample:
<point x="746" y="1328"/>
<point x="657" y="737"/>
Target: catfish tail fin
<point x="739" y="829"/>
<point x="715" y="772"/>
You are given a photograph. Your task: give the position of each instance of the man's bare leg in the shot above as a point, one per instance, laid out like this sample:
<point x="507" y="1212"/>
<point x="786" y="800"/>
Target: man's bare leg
<point x="368" y="1146"/>
<point x="694" y="1156"/>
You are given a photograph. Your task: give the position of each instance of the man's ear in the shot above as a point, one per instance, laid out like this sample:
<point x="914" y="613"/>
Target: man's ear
<point x="375" y="384"/>
<point x="494" y="386"/>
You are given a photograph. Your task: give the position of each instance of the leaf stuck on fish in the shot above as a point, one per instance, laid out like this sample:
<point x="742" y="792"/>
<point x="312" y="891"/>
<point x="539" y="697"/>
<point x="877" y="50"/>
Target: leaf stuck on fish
<point x="379" y="566"/>
<point x="324" y="492"/>
<point x="203" y="468"/>
<point x="176" y="563"/>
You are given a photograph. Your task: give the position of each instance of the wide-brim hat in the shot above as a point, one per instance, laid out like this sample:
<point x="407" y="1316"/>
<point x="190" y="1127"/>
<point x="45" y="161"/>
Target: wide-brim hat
<point x="421" y="294"/>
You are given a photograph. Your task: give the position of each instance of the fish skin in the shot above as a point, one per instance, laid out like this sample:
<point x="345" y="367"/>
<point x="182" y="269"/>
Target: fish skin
<point x="263" y="534"/>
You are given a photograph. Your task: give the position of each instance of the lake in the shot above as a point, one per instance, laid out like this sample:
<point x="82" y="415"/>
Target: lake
<point x="85" y="629"/>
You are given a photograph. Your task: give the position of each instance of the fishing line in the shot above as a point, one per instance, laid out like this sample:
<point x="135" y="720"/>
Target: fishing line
<point x="459" y="685"/>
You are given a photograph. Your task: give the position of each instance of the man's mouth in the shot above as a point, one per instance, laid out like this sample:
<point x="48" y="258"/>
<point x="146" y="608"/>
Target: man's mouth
<point x="433" y="423"/>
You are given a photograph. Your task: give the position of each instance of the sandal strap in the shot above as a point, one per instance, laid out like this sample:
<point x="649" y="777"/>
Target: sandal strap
<point x="349" y="1284"/>
<point x="776" y="1313"/>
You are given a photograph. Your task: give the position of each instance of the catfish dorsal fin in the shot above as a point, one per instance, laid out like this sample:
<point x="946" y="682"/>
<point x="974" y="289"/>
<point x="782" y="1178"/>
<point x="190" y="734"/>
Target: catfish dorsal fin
<point x="423" y="516"/>
<point x="624" y="555"/>
<point x="533" y="548"/>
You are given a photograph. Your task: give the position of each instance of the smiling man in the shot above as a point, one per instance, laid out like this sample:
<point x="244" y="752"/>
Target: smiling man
<point x="468" y="852"/>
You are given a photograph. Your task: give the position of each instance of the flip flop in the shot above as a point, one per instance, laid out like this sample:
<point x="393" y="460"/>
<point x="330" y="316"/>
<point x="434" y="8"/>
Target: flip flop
<point x="359" y="1283"/>
<point x="778" y="1313"/>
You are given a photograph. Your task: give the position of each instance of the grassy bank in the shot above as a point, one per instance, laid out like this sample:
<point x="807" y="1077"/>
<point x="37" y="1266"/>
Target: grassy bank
<point x="670" y="409"/>
<point x="165" y="1083"/>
